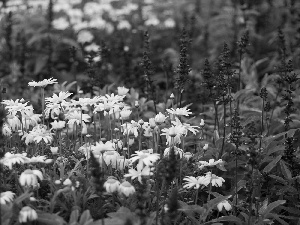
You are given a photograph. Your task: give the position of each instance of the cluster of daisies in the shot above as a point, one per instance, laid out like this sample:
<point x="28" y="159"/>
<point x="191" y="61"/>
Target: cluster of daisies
<point x="107" y="116"/>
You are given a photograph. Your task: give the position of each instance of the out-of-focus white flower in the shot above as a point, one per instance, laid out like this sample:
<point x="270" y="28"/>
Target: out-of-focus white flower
<point x="13" y="121"/>
<point x="27" y="214"/>
<point x="224" y="204"/>
<point x="160" y="118"/>
<point x="205" y="147"/>
<point x="10" y="159"/>
<point x="169" y="23"/>
<point x="122" y="91"/>
<point x="213" y="179"/>
<point x="29" y="177"/>
<point x="193" y="181"/>
<point x="111" y="185"/>
<point x="54" y="150"/>
<point x="139" y="173"/>
<point x="67" y="182"/>
<point x="125" y="113"/>
<point x="60" y="23"/>
<point x="177" y="151"/>
<point x="43" y="83"/>
<point x="188" y="155"/>
<point x="124" y="24"/>
<point x="202" y="123"/>
<point x="92" y="48"/>
<point x="148" y="131"/>
<point x="6" y="197"/>
<point x="126" y="188"/>
<point x="100" y="147"/>
<point x="179" y="111"/>
<point x="152" y="21"/>
<point x="57" y="182"/>
<point x="37" y="159"/>
<point x="85" y="36"/>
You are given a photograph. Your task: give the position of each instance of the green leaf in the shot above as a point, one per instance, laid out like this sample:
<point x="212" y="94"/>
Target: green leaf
<point x="272" y="164"/>
<point x="227" y="219"/>
<point x="74" y="217"/>
<point x="271" y="206"/>
<point x="50" y="219"/>
<point x="285" y="170"/>
<point x="85" y="217"/>
<point x="276" y="149"/>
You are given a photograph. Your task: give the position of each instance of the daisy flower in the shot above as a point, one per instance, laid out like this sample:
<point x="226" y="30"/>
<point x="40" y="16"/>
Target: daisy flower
<point x="6" y="197"/>
<point x="213" y="179"/>
<point x="179" y="111"/>
<point x="122" y="91"/>
<point x="186" y="126"/>
<point x="58" y="125"/>
<point x="160" y="118"/>
<point x="177" y="151"/>
<point x="42" y="83"/>
<point x="40" y="133"/>
<point x="6" y="131"/>
<point x="131" y="128"/>
<point x="173" y="132"/>
<point x="101" y="147"/>
<point x="76" y="117"/>
<point x="57" y="99"/>
<point x="210" y="163"/>
<point x="10" y="159"/>
<point x="193" y="181"/>
<point x="146" y="171"/>
<point x="144" y="157"/>
<point x="114" y="98"/>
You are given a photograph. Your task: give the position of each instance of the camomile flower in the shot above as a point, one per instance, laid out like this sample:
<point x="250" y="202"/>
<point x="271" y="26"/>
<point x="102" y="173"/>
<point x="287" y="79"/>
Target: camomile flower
<point x="126" y="188"/>
<point x="131" y="128"/>
<point x="193" y="181"/>
<point x="224" y="204"/>
<point x="6" y="131"/>
<point x="187" y="127"/>
<point x="100" y="147"/>
<point x="144" y="157"/>
<point x="173" y="132"/>
<point x="160" y="118"/>
<point x="111" y="185"/>
<point x="6" y="197"/>
<point x="10" y="159"/>
<point x="42" y="83"/>
<point x="210" y="163"/>
<point x="122" y="91"/>
<point x="146" y="171"/>
<point x="179" y="111"/>
<point x="27" y="214"/>
<point x="30" y="177"/>
<point x="58" y="125"/>
<point x="13" y="121"/>
<point x="77" y="117"/>
<point x="177" y="151"/>
<point x="107" y="107"/>
<point x="40" y="133"/>
<point x="58" y="99"/>
<point x="114" y="98"/>
<point x="213" y="179"/>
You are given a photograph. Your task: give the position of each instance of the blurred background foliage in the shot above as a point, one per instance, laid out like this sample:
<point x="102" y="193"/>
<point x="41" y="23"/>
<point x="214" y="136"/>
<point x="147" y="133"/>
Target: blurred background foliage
<point x="101" y="42"/>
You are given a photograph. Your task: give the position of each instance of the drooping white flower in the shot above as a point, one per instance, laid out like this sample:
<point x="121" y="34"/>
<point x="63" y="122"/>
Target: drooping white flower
<point x="58" y="125"/>
<point x="160" y="118"/>
<point x="29" y="177"/>
<point x="144" y="157"/>
<point x="27" y="214"/>
<point x="177" y="151"/>
<point x="111" y="185"/>
<point x="122" y="91"/>
<point x="131" y="128"/>
<point x="126" y="188"/>
<point x="110" y="158"/>
<point x="6" y="197"/>
<point x="224" y="204"/>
